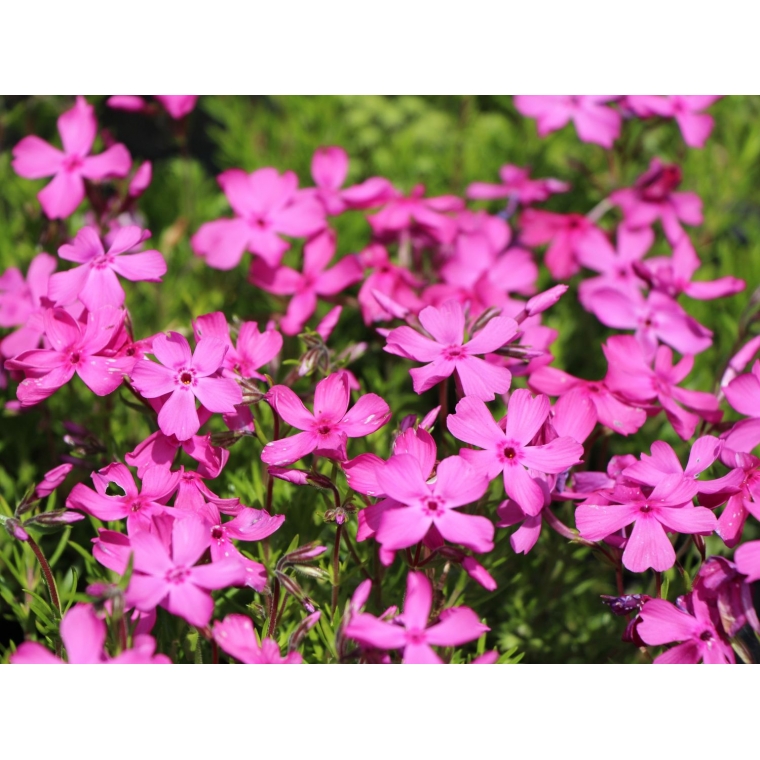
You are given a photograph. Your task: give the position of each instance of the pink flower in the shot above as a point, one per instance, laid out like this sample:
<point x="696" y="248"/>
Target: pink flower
<point x="254" y="349"/>
<point x="75" y="349"/>
<point x="235" y="635"/>
<point x="84" y="635"/>
<point x="326" y="430"/>
<point x="417" y="213"/>
<point x="21" y="304"/>
<point x="593" y="121"/>
<point x="652" y="197"/>
<point x="685" y="109"/>
<point x="315" y="281"/>
<point x="410" y="631"/>
<point x="516" y="183"/>
<point x="667" y="508"/>
<point x="447" y="352"/>
<point x="631" y="376"/>
<point x="186" y="377"/>
<point x="421" y="505"/>
<point x="137" y="506"/>
<point x="177" y="106"/>
<point x="662" y="623"/>
<point x="266" y="205"/>
<point x="572" y="238"/>
<point x="747" y="559"/>
<point x="172" y="580"/>
<point x="329" y="168"/>
<point x="510" y="451"/>
<point x="95" y="283"/>
<point x="33" y="158"/>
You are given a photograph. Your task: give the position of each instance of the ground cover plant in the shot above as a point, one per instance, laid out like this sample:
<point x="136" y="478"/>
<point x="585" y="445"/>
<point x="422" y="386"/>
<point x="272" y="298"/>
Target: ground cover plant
<point x="379" y="379"/>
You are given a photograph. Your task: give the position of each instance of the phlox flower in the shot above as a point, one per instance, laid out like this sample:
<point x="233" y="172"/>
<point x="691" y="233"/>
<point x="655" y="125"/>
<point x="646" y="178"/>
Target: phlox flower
<point x="75" y="348"/>
<point x="235" y="635"/>
<point x="186" y="376"/>
<point x="685" y="109"/>
<point x="510" y="451"/>
<point x="170" y="578"/>
<point x="421" y="505"/>
<point x="326" y="430"/>
<point x="662" y="623"/>
<point x="594" y="122"/>
<point x="266" y="205"/>
<point x="315" y="281"/>
<point x="653" y="197"/>
<point x="631" y="376"/>
<point x="417" y="213"/>
<point x="21" y="304"/>
<point x="329" y="168"/>
<point x="137" y="506"/>
<point x="254" y="349"/>
<point x="95" y="283"/>
<point x="747" y="558"/>
<point x="516" y="183"/>
<point x="84" y="635"/>
<point x="446" y="351"/>
<point x="34" y="158"/>
<point x="410" y="630"/>
<point x="571" y="238"/>
<point x="667" y="508"/>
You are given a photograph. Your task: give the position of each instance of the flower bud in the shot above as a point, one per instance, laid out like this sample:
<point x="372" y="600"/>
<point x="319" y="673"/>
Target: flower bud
<point x="13" y="526"/>
<point x="51" y="480"/>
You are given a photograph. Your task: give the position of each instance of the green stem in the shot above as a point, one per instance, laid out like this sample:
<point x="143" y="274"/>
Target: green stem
<point x="47" y="574"/>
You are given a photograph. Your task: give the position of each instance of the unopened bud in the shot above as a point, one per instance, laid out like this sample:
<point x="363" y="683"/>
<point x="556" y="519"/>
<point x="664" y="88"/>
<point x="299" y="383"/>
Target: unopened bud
<point x="50" y="522"/>
<point x="303" y="628"/>
<point x="13" y="526"/>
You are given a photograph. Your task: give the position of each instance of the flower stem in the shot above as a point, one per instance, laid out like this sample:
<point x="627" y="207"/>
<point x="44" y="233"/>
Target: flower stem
<point x="273" y="608"/>
<point x="47" y="574"/>
<point x="336" y="567"/>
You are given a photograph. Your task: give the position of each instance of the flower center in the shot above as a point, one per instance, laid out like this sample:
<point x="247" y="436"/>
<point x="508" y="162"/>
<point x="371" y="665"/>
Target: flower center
<point x="509" y="452"/>
<point x="324" y="430"/>
<point x="706" y="636"/>
<point x="177" y="575"/>
<point x="100" y="262"/>
<point x="136" y="506"/>
<point x="186" y="377"/>
<point x="72" y="163"/>
<point x="454" y="352"/>
<point x="75" y="357"/>
<point x="415" y="636"/>
<point x="645" y="508"/>
<point x="217" y="533"/>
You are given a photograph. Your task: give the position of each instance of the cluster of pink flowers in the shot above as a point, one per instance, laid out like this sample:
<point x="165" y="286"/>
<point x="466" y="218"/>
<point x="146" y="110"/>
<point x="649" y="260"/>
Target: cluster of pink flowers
<point x="453" y="292"/>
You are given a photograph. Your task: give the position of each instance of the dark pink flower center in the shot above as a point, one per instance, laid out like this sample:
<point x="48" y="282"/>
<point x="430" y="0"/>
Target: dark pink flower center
<point x="72" y="163"/>
<point x="454" y="352"/>
<point x="509" y="452"/>
<point x="432" y="505"/>
<point x="186" y="377"/>
<point x="136" y="506"/>
<point x="415" y="636"/>
<point x="217" y="533"/>
<point x="101" y="262"/>
<point x="706" y="636"/>
<point x="75" y="357"/>
<point x="645" y="508"/>
<point x="324" y="429"/>
<point x="177" y="575"/>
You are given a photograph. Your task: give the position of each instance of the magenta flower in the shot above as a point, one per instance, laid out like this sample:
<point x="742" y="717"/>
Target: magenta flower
<point x="421" y="505"/>
<point x="136" y="506"/>
<point x="663" y="623"/>
<point x="84" y="635"/>
<point x="417" y="213"/>
<point x="447" y="352"/>
<point x="177" y="106"/>
<point x="631" y="376"/>
<point x="747" y="559"/>
<point x="21" y="304"/>
<point x="516" y="183"/>
<point x="594" y="122"/>
<point x="75" y="349"/>
<point x="266" y="205"/>
<point x="235" y="635"/>
<point x="572" y="238"/>
<point x="510" y="451"/>
<point x="329" y="168"/>
<point x="172" y="580"/>
<point x="667" y="508"/>
<point x="410" y="631"/>
<point x="652" y="197"/>
<point x="326" y="430"/>
<point x="33" y="158"/>
<point x="95" y="283"/>
<point x="254" y="349"/>
<point x="685" y="109"/>
<point x="186" y="377"/>
<point x="315" y="281"/>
